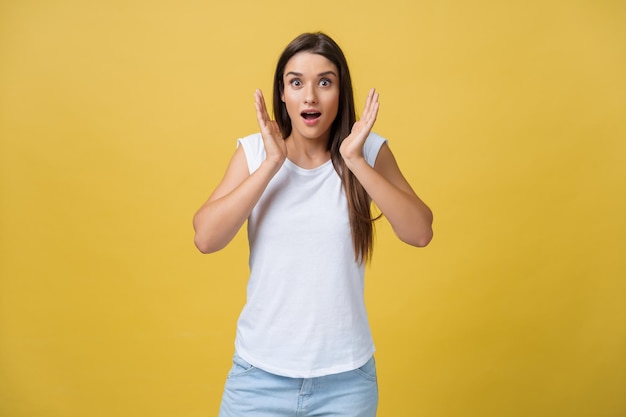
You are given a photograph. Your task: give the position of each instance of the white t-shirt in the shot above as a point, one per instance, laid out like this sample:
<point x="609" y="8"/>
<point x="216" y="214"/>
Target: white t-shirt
<point x="305" y="313"/>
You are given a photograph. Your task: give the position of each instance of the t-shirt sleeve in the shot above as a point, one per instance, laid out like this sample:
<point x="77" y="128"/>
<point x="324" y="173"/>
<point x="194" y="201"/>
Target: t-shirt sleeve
<point x="254" y="150"/>
<point x="372" y="146"/>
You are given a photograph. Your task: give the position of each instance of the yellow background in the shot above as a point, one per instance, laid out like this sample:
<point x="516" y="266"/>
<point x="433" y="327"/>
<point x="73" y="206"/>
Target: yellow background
<point x="118" y="118"/>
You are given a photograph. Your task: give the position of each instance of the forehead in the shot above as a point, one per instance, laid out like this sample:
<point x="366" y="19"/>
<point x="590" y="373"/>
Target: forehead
<point x="308" y="63"/>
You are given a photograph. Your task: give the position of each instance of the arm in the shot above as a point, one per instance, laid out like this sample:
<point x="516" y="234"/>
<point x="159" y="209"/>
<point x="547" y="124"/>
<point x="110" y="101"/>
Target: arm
<point x="219" y="219"/>
<point x="409" y="217"/>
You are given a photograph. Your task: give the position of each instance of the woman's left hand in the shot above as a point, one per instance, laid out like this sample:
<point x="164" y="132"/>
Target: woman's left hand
<point x="351" y="148"/>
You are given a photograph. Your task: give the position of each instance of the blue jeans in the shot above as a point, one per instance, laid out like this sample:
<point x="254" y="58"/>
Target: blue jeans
<point x="250" y="391"/>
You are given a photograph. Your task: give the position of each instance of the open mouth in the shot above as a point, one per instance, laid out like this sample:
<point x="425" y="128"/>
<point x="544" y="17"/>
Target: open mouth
<point x="310" y="115"/>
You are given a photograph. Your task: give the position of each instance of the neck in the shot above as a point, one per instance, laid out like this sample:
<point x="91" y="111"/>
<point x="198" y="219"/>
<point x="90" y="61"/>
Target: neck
<point x="306" y="152"/>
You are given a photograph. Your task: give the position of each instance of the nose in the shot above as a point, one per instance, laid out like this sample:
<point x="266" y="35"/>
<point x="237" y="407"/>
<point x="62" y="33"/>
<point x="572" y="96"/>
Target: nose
<point x="310" y="96"/>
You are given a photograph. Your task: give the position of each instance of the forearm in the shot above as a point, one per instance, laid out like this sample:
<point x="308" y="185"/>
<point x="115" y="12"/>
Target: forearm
<point x="217" y="222"/>
<point x="409" y="217"/>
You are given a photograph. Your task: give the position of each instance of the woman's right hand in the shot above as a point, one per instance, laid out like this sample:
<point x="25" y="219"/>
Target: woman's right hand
<point x="275" y="147"/>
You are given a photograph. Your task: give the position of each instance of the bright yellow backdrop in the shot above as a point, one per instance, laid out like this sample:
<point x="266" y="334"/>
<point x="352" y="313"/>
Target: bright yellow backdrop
<point x="118" y="118"/>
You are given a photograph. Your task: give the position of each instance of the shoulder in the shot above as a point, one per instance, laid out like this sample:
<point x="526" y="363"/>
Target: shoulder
<point x="254" y="150"/>
<point x="252" y="141"/>
<point x="372" y="146"/>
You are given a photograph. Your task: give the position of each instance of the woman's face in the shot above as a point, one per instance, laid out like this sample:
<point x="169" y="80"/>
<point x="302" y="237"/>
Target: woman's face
<point x="311" y="95"/>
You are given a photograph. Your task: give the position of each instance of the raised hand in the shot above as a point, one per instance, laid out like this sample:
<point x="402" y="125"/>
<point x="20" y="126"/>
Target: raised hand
<point x="352" y="146"/>
<point x="275" y="147"/>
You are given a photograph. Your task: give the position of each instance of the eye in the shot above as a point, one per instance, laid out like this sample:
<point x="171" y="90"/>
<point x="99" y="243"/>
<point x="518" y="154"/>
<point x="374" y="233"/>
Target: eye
<point x="325" y="82"/>
<point x="295" y="82"/>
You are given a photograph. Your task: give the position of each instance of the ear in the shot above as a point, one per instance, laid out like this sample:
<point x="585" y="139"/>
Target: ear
<point x="282" y="97"/>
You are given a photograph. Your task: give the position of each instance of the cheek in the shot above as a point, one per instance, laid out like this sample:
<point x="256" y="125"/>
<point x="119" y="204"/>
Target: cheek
<point x="290" y="104"/>
<point x="333" y="104"/>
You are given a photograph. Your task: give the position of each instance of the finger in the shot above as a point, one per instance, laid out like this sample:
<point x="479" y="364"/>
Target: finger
<point x="372" y="100"/>
<point x="261" y="111"/>
<point x="373" y="113"/>
<point x="264" y="106"/>
<point x="368" y="100"/>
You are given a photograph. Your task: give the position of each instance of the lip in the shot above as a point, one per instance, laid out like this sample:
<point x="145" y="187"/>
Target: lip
<point x="310" y="121"/>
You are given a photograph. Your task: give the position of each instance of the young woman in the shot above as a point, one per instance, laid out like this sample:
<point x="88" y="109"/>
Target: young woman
<point x="305" y="184"/>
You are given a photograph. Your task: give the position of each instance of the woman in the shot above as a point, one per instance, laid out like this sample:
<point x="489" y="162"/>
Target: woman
<point x="305" y="184"/>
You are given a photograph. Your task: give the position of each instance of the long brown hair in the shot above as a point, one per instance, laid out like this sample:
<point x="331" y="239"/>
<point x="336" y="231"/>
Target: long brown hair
<point x="361" y="223"/>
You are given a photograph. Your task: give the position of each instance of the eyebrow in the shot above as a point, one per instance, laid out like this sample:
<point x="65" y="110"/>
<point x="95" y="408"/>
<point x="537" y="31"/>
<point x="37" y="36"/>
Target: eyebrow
<point x="321" y="74"/>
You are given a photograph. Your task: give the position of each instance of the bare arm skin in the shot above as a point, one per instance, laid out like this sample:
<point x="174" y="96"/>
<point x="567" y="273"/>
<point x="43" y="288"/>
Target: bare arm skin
<point x="219" y="219"/>
<point x="409" y="217"/>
